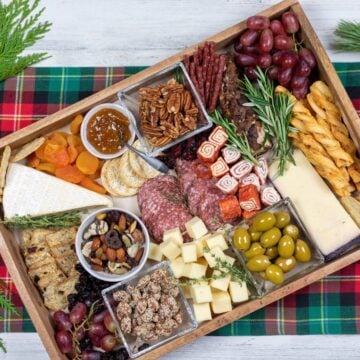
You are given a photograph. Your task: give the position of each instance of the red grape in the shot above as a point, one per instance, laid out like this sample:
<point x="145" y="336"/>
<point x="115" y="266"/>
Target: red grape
<point x="250" y="50"/>
<point x="62" y="320"/>
<point x="273" y="72"/>
<point x="264" y="61"/>
<point x="80" y="333"/>
<point x="298" y="82"/>
<point x="301" y="92"/>
<point x="308" y="56"/>
<point x="277" y="27"/>
<point x="245" y="60"/>
<point x="78" y="313"/>
<point x="258" y="22"/>
<point x="303" y="68"/>
<point x="95" y="340"/>
<point x="109" y="323"/>
<point x="290" y="22"/>
<point x="276" y="58"/>
<point x="98" y="318"/>
<point x="266" y="41"/>
<point x="108" y="342"/>
<point x="64" y="341"/>
<point x="289" y="59"/>
<point x="283" y="42"/>
<point x="250" y="72"/>
<point x="238" y="47"/>
<point x="97" y="330"/>
<point x="249" y="37"/>
<point x="284" y="76"/>
<point x="91" y="355"/>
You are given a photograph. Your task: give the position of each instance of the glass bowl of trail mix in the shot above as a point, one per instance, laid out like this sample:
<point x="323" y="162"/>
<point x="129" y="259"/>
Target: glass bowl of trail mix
<point x="112" y="244"/>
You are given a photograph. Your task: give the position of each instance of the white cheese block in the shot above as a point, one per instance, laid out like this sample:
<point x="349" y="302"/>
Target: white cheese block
<point x="194" y="270"/>
<point x="196" y="228"/>
<point x="34" y="193"/>
<point x="238" y="291"/>
<point x="155" y="252"/>
<point x="324" y="217"/>
<point x="188" y="252"/>
<point x="221" y="302"/>
<point x="202" y="312"/>
<point x="217" y="240"/>
<point x="213" y="254"/>
<point x="201" y="293"/>
<point x="170" y="250"/>
<point x="177" y="266"/>
<point x="173" y="235"/>
<point x="222" y="283"/>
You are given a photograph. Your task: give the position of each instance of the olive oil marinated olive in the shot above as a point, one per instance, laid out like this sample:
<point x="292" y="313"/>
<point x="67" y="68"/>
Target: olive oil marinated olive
<point x="286" y="246"/>
<point x="241" y="239"/>
<point x="255" y="235"/>
<point x="291" y="230"/>
<point x="255" y="249"/>
<point x="282" y="219"/>
<point x="264" y="221"/>
<point x="263" y="275"/>
<point x="302" y="251"/>
<point x="258" y="263"/>
<point x="270" y="238"/>
<point x="275" y="274"/>
<point x="272" y="252"/>
<point x="286" y="264"/>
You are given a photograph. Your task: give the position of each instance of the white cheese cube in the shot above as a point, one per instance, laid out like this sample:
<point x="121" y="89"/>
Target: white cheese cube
<point x="177" y="266"/>
<point x="173" y="235"/>
<point x="188" y="252"/>
<point x="222" y="283"/>
<point x="238" y="291"/>
<point x="194" y="270"/>
<point x="202" y="312"/>
<point x="221" y="302"/>
<point x="201" y="293"/>
<point x="217" y="240"/>
<point x="196" y="228"/>
<point x="155" y="252"/>
<point x="213" y="254"/>
<point x="170" y="250"/>
<point x="200" y="243"/>
<point x="186" y="290"/>
<point x="222" y="230"/>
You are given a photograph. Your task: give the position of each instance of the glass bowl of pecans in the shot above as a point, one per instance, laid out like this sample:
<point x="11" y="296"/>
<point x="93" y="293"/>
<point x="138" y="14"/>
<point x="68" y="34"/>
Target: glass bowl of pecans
<point x="112" y="244"/>
<point x="149" y="309"/>
<point x="167" y="109"/>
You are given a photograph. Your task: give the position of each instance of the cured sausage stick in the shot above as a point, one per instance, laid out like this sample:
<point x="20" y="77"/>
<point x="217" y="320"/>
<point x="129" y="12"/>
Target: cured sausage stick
<point x="217" y="85"/>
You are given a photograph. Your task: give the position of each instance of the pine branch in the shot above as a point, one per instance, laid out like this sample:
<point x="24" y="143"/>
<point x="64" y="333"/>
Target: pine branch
<point x="348" y="36"/>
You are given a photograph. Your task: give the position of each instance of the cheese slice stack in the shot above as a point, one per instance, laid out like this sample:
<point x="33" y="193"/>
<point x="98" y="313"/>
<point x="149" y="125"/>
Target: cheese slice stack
<point x="32" y="192"/>
<point x="330" y="226"/>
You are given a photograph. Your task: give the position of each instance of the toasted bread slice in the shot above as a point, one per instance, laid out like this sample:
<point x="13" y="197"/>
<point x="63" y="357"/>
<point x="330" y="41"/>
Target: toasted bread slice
<point x="54" y="277"/>
<point x="37" y="258"/>
<point x="66" y="263"/>
<point x="37" y="273"/>
<point x="61" y="237"/>
<point x="62" y="250"/>
<point x="33" y="238"/>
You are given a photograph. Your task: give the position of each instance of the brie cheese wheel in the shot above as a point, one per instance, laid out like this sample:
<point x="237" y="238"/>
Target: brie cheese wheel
<point x="34" y="193"/>
<point x="328" y="223"/>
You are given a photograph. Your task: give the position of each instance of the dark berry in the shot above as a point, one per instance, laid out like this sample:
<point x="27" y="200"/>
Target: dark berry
<point x="143" y="347"/>
<point x="85" y="344"/>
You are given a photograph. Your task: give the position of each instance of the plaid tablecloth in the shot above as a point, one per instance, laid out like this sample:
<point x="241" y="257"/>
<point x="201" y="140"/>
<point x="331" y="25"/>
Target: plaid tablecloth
<point x="330" y="306"/>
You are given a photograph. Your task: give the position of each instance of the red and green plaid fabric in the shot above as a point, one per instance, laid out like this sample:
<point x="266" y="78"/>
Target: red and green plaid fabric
<point x="330" y="306"/>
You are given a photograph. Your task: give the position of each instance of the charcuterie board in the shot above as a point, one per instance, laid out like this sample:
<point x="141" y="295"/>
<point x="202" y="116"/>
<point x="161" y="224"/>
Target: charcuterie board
<point x="192" y="104"/>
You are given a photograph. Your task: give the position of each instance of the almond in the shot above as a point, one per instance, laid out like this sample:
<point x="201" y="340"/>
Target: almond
<point x="120" y="254"/>
<point x="95" y="244"/>
<point x="111" y="254"/>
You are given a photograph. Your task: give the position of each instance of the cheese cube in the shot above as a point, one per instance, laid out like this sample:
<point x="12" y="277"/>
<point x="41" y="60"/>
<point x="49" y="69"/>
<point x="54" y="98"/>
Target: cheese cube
<point x="213" y="254"/>
<point x="238" y="291"/>
<point x="222" y="283"/>
<point x="177" y="266"/>
<point x="186" y="290"/>
<point x="223" y="229"/>
<point x="173" y="235"/>
<point x="170" y="250"/>
<point x="217" y="240"/>
<point x="155" y="252"/>
<point x="194" y="270"/>
<point x="221" y="302"/>
<point x="202" y="312"/>
<point x="199" y="247"/>
<point x="201" y="293"/>
<point x="188" y="252"/>
<point x="196" y="228"/>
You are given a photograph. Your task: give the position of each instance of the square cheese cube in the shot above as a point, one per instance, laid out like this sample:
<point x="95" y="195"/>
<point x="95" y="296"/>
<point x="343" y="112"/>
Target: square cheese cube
<point x="199" y="247"/>
<point x="221" y="302"/>
<point x="170" y="250"/>
<point x="196" y="228"/>
<point x="177" y="266"/>
<point x="201" y="293"/>
<point x="238" y="291"/>
<point x="213" y="254"/>
<point x="155" y="252"/>
<point x="222" y="283"/>
<point x="202" y="312"/>
<point x="186" y="290"/>
<point x="217" y="240"/>
<point x="194" y="270"/>
<point x="173" y="235"/>
<point x="188" y="252"/>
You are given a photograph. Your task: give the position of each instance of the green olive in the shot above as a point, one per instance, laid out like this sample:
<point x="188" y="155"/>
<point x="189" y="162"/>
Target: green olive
<point x="286" y="246"/>
<point x="255" y="235"/>
<point x="258" y="263"/>
<point x="274" y="274"/>
<point x="286" y="264"/>
<point x="302" y="251"/>
<point x="282" y="219"/>
<point x="241" y="239"/>
<point x="272" y="252"/>
<point x="291" y="230"/>
<point x="270" y="237"/>
<point x="264" y="221"/>
<point x="255" y="249"/>
<point x="263" y="275"/>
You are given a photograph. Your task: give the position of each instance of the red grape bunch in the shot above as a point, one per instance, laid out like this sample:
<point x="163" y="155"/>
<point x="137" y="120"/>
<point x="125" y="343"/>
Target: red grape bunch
<point x="271" y="45"/>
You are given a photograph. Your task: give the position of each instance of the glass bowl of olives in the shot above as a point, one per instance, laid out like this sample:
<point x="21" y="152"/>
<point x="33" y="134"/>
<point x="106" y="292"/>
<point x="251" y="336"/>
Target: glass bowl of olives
<point x="274" y="246"/>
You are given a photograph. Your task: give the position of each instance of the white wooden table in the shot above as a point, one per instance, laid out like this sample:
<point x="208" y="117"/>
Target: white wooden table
<point x="142" y="32"/>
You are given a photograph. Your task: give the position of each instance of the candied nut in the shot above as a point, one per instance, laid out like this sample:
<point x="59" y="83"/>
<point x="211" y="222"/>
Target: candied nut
<point x="97" y="267"/>
<point x="123" y="309"/>
<point x="173" y="103"/>
<point x="95" y="244"/>
<point x="174" y="291"/>
<point x="138" y="236"/>
<point x="158" y="275"/>
<point x="164" y="311"/>
<point x="125" y="324"/>
<point x="111" y="254"/>
<point x="153" y="287"/>
<point x="121" y="254"/>
<point x="96" y="261"/>
<point x="141" y="306"/>
<point x="122" y="223"/>
<point x="139" y="255"/>
<point x="178" y="318"/>
<point x="153" y="304"/>
<point x="145" y="280"/>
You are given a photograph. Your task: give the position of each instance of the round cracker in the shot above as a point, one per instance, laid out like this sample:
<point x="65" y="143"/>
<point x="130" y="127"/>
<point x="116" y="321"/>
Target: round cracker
<point x="126" y="173"/>
<point x="27" y="149"/>
<point x="143" y="169"/>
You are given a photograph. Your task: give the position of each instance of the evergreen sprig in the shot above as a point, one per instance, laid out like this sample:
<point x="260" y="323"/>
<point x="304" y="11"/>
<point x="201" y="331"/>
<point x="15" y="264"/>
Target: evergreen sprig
<point x="348" y="36"/>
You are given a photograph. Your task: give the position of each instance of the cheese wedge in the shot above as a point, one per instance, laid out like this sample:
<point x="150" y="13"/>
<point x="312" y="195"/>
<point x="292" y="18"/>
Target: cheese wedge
<point x="32" y="192"/>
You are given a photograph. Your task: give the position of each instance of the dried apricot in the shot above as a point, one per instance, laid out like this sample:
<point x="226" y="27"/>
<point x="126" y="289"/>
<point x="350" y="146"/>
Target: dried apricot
<point x="56" y="154"/>
<point x="76" y="124"/>
<point x="73" y="153"/>
<point x="69" y="173"/>
<point x="80" y="148"/>
<point x="32" y="160"/>
<point x="92" y="185"/>
<point x="74" y="140"/>
<point x="59" y="137"/>
<point x="40" y="151"/>
<point x="47" y="167"/>
<point x="87" y="163"/>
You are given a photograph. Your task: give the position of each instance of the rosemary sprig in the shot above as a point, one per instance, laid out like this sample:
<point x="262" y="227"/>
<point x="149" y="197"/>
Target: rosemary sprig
<point x="348" y="36"/>
<point x="274" y="111"/>
<point x="238" y="141"/>
<point x="71" y="218"/>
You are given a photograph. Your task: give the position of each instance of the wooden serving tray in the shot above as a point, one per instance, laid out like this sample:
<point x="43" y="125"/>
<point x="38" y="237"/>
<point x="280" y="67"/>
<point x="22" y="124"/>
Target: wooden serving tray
<point x="10" y="249"/>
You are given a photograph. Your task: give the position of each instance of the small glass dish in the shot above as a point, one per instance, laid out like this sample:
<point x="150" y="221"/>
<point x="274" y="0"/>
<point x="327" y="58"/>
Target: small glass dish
<point x="129" y="98"/>
<point x="262" y="286"/>
<point x="130" y="342"/>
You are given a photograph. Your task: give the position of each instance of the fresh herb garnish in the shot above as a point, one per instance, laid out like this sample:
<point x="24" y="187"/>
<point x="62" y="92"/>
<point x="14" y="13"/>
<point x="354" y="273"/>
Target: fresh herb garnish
<point x="274" y="111"/>
<point x="348" y="36"/>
